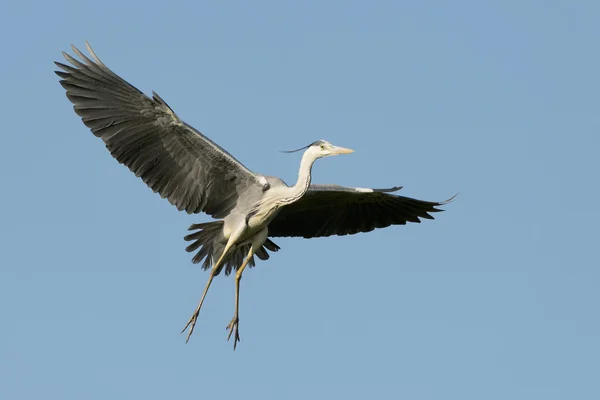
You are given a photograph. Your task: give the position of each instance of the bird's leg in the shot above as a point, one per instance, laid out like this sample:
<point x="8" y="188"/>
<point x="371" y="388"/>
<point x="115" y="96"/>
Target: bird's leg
<point x="257" y="242"/>
<point x="192" y="321"/>
<point x="233" y="325"/>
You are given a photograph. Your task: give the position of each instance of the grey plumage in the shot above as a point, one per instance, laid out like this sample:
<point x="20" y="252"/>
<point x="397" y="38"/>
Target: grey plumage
<point x="196" y="175"/>
<point x="204" y="238"/>
<point x="172" y="158"/>
<point x="327" y="210"/>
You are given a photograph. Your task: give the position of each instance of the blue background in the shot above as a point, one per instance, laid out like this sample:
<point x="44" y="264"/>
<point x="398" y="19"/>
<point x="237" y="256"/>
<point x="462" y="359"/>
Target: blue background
<point x="496" y="299"/>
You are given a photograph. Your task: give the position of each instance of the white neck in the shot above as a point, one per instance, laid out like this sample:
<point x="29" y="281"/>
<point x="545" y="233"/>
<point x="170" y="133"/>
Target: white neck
<point x="301" y="186"/>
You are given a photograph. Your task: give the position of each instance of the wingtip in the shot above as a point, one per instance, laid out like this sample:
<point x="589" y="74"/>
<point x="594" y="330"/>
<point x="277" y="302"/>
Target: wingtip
<point x="443" y="203"/>
<point x="88" y="47"/>
<point x="450" y="199"/>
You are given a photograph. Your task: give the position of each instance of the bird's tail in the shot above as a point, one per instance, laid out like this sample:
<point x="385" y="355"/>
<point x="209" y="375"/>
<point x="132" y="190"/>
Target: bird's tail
<point x="208" y="237"/>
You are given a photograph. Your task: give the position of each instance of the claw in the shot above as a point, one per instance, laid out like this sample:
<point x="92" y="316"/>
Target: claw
<point x="192" y="322"/>
<point x="233" y="326"/>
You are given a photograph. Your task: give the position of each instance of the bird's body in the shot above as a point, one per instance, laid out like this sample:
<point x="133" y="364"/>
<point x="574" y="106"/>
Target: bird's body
<point x="197" y="175"/>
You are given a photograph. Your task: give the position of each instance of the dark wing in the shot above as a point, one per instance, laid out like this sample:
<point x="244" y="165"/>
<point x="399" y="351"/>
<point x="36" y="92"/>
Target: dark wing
<point x="327" y="210"/>
<point x="144" y="133"/>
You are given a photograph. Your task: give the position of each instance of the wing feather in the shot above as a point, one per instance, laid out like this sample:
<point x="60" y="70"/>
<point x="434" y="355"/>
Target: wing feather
<point x="143" y="133"/>
<point x="327" y="210"/>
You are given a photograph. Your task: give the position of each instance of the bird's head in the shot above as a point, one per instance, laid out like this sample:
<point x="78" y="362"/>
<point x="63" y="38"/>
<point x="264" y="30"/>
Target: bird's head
<point x="322" y="148"/>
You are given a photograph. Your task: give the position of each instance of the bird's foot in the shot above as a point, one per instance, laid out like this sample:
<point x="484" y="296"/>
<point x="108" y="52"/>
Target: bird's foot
<point x="191" y="324"/>
<point x="233" y="326"/>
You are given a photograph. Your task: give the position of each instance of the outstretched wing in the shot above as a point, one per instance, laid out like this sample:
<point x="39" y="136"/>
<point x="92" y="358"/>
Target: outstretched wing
<point x="327" y="210"/>
<point x="171" y="157"/>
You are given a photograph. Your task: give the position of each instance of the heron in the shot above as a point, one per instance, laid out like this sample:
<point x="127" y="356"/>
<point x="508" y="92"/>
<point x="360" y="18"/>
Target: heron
<point x="197" y="175"/>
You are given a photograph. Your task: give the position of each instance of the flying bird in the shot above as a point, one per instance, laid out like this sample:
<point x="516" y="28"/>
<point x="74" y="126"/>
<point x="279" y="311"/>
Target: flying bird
<point x="196" y="175"/>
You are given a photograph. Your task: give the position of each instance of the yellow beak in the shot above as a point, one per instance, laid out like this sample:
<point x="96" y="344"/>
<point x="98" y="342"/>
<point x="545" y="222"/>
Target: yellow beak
<point x="342" y="150"/>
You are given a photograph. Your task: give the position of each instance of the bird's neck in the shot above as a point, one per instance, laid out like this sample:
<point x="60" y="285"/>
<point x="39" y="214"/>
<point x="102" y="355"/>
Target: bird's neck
<point x="304" y="176"/>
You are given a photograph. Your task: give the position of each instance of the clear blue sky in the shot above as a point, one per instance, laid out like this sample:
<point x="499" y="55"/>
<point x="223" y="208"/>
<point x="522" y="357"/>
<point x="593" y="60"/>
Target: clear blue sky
<point x="496" y="299"/>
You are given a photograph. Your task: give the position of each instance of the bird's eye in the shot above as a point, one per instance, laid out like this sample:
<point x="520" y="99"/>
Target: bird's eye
<point x="322" y="147"/>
